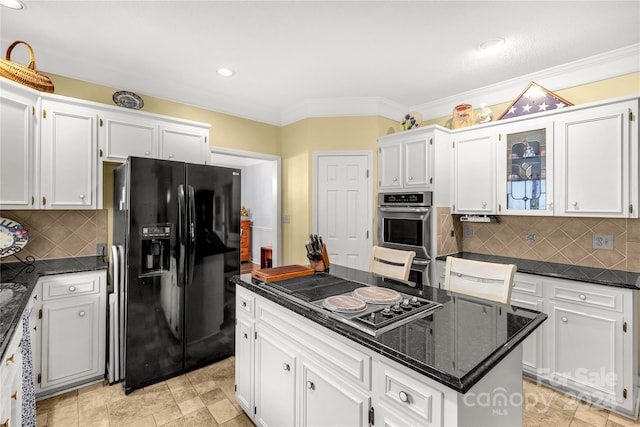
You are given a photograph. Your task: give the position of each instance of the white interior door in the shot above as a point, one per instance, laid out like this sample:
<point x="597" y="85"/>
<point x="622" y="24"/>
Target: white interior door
<point x="343" y="207"/>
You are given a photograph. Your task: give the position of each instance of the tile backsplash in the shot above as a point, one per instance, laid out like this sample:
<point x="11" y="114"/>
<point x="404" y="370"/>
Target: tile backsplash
<point x="60" y="233"/>
<point x="554" y="239"/>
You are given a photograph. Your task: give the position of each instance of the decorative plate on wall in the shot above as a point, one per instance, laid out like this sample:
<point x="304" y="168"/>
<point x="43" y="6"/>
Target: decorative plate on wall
<point x="128" y="100"/>
<point x="13" y="237"/>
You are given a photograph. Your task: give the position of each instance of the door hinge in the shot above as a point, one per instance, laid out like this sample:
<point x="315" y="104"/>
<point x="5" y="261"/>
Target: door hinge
<point x="624" y="327"/>
<point x="44" y="200"/>
<point x="255" y="410"/>
<point x="101" y="122"/>
<point x="499" y="207"/>
<point x="453" y="144"/>
<point x="371" y="416"/>
<point x="630" y="116"/>
<point x="430" y="180"/>
<point x="44" y="114"/>
<point x="33" y="110"/>
<point x="33" y="200"/>
<point x="379" y="150"/>
<point x="255" y="335"/>
<point x="235" y="387"/>
<point x="430" y="141"/>
<point x="40" y="314"/>
<point x="39" y="378"/>
<point x="367" y="234"/>
<point x="624" y="393"/>
<point x="367" y="174"/>
<point x="499" y="137"/>
<point x="101" y="152"/>
<point x="631" y="208"/>
<point x="454" y="208"/>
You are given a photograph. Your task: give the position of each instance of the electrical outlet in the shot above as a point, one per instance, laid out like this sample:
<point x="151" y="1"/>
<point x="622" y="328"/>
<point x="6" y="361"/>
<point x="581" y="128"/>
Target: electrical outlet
<point x="467" y="231"/>
<point x="101" y="249"/>
<point x="531" y="237"/>
<point x="603" y="241"/>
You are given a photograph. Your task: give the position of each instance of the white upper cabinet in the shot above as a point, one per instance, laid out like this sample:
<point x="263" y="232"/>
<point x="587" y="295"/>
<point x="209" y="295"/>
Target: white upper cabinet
<point x="69" y="141"/>
<point x="123" y="135"/>
<point x="595" y="149"/>
<point x="405" y="160"/>
<point x="183" y="143"/>
<point x="474" y="172"/>
<point x="525" y="168"/>
<point x="18" y="109"/>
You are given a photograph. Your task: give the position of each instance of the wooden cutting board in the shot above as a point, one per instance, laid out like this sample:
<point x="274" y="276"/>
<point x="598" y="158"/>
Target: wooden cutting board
<point x="281" y="273"/>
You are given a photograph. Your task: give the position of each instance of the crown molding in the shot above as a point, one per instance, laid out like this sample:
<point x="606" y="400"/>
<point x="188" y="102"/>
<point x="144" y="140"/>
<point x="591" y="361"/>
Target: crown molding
<point x="599" y="67"/>
<point x="588" y="70"/>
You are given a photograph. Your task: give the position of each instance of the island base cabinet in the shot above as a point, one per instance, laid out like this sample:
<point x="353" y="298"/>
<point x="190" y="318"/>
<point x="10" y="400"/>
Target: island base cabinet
<point x="275" y="381"/>
<point x="328" y="401"/>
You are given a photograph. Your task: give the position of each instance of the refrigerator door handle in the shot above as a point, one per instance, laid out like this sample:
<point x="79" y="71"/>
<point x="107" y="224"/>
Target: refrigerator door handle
<point x="181" y="234"/>
<point x="191" y="206"/>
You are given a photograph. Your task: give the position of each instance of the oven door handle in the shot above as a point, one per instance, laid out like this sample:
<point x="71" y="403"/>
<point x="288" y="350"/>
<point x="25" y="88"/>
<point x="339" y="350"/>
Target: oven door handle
<point x="403" y="209"/>
<point x="420" y="262"/>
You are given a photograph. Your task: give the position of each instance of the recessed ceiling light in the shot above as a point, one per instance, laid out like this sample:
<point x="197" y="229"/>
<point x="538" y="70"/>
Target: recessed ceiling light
<point x="12" y="4"/>
<point x="491" y="44"/>
<point x="225" y="72"/>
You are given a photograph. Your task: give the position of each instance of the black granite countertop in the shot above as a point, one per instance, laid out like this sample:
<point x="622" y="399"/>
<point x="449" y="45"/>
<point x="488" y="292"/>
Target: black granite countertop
<point x="598" y="276"/>
<point x="456" y="345"/>
<point x="23" y="280"/>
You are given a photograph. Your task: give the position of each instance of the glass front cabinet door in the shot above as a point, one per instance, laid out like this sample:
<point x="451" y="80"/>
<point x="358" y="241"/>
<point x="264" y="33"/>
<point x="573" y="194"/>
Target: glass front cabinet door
<point x="525" y="168"/>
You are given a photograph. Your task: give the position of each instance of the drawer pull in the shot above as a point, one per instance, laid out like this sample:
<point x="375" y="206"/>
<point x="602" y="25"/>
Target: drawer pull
<point x="404" y="397"/>
<point x="11" y="359"/>
<point x="286" y="367"/>
<point x="244" y="335"/>
<point x="14" y="395"/>
<point x="72" y="288"/>
<point x="82" y="313"/>
<point x="564" y="319"/>
<point x="311" y="385"/>
<point x="244" y="303"/>
<point x="583" y="297"/>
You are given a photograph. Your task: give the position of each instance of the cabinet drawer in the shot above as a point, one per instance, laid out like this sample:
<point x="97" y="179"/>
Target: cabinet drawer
<point x="244" y="302"/>
<point x="528" y="285"/>
<point x="411" y="397"/>
<point x="68" y="285"/>
<point x="605" y="297"/>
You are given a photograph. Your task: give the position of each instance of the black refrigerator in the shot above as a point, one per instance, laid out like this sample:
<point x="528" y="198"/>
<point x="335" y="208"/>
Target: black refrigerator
<point x="176" y="244"/>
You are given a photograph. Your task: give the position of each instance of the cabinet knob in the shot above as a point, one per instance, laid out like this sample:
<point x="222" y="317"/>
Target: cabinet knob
<point x="82" y="196"/>
<point x="403" y="396"/>
<point x="574" y="204"/>
<point x="244" y="335"/>
<point x="244" y="303"/>
<point x="564" y="319"/>
<point x="146" y="153"/>
<point x="72" y="288"/>
<point x="583" y="297"/>
<point x="311" y="385"/>
<point x="484" y="205"/>
<point x="395" y="179"/>
<point x="14" y="395"/>
<point x="410" y="178"/>
<point x="82" y="313"/>
<point x="286" y="367"/>
<point x="171" y="156"/>
<point x="11" y="359"/>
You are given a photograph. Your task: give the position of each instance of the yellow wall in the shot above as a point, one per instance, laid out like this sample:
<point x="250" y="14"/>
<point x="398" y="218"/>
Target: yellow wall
<point x="296" y="142"/>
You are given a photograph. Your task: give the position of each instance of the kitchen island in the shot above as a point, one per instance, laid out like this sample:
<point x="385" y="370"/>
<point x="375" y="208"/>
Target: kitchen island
<point x="458" y="365"/>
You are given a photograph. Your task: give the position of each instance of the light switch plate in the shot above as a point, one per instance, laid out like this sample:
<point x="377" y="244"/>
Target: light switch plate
<point x="286" y="219"/>
<point x="603" y="241"/>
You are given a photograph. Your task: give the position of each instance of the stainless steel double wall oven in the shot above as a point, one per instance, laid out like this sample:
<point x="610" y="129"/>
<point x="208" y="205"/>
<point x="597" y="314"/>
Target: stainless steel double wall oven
<point x="404" y="222"/>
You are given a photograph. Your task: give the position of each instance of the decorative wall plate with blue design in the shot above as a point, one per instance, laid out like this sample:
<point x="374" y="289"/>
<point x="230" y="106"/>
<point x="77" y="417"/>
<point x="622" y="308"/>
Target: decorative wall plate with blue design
<point x="13" y="237"/>
<point x="128" y="100"/>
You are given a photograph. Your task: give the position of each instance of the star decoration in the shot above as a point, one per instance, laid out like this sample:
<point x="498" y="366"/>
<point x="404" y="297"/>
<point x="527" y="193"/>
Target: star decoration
<point x="542" y="107"/>
<point x="526" y="108"/>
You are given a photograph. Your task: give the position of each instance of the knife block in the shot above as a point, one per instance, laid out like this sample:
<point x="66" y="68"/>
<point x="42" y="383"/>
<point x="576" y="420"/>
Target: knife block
<point x="323" y="263"/>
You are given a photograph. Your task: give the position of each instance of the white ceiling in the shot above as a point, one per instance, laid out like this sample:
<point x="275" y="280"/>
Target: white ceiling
<point x="290" y="55"/>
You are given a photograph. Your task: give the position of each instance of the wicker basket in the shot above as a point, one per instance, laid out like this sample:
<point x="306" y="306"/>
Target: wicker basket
<point x="24" y="75"/>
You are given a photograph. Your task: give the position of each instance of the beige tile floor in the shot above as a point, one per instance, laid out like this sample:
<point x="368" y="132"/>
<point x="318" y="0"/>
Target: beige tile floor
<point x="205" y="397"/>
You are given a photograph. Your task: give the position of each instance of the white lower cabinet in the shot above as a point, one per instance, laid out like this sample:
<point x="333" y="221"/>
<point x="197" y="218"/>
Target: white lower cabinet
<point x="73" y="331"/>
<point x="588" y="345"/>
<point x="11" y="382"/>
